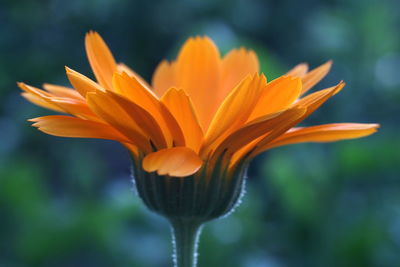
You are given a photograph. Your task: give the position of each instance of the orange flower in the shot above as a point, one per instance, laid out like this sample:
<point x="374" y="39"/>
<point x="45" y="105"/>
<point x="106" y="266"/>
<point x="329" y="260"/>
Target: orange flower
<point x="200" y="107"/>
<point x="204" y="118"/>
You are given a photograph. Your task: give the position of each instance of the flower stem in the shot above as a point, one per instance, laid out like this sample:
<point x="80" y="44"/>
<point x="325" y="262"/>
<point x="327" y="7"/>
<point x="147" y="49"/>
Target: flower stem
<point x="185" y="234"/>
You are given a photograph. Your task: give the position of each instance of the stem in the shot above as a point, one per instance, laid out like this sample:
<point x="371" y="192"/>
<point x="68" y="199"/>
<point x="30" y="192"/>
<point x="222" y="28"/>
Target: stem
<point x="185" y="235"/>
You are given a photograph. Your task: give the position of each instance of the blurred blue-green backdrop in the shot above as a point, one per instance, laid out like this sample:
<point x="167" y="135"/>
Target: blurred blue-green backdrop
<point x="70" y="202"/>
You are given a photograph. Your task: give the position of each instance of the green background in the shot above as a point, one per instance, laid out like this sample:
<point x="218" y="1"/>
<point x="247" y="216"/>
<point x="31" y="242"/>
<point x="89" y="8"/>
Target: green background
<point x="71" y="202"/>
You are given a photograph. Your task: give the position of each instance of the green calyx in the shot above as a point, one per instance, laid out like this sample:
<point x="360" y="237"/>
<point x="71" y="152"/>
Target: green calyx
<point x="212" y="192"/>
<point x="188" y="202"/>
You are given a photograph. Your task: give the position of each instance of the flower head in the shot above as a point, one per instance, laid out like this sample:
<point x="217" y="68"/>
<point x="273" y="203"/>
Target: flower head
<point x="203" y="118"/>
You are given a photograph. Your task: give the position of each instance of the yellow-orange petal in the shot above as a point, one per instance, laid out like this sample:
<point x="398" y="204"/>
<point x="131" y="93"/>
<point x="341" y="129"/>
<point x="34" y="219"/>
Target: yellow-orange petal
<point x="41" y="102"/>
<point x="298" y="71"/>
<point x="82" y="83"/>
<point x="62" y="91"/>
<point x="270" y="127"/>
<point x="121" y="67"/>
<point x="324" y="133"/>
<point x="235" y="110"/>
<point x="235" y="66"/>
<point x="314" y="76"/>
<point x="76" y="108"/>
<point x="66" y="126"/>
<point x="131" y="88"/>
<point x="278" y="95"/>
<point x="38" y="97"/>
<point x="284" y="126"/>
<point x="198" y="73"/>
<point x="134" y="91"/>
<point x="315" y="100"/>
<point x="176" y="162"/>
<point x="308" y="104"/>
<point x="180" y="105"/>
<point x="111" y="112"/>
<point x="100" y="58"/>
<point x="142" y="118"/>
<point x="164" y="77"/>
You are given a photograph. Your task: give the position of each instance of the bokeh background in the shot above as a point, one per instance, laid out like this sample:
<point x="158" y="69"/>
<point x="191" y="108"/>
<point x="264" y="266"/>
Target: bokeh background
<point x="71" y="203"/>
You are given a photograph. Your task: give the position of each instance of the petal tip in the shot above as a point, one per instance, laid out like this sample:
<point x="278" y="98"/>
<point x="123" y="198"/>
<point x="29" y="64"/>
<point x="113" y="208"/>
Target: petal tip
<point x="22" y="85"/>
<point x="174" y="162"/>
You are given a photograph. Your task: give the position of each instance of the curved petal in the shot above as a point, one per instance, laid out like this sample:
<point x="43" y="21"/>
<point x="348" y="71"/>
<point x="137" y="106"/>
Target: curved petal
<point x="134" y="91"/>
<point x="111" y="112"/>
<point x="76" y="108"/>
<point x="164" y="77"/>
<point x="100" y="58"/>
<point x="309" y="103"/>
<point x="198" y="73"/>
<point x="324" y="133"/>
<point x="38" y="97"/>
<point x="176" y="162"/>
<point x="278" y="95"/>
<point x="62" y="91"/>
<point x="236" y="109"/>
<point x="181" y="108"/>
<point x="235" y="66"/>
<point x="39" y="101"/>
<point x="81" y="83"/>
<point x="298" y="71"/>
<point x="142" y="118"/>
<point x="124" y="68"/>
<point x="270" y="127"/>
<point x="73" y="106"/>
<point x="66" y="126"/>
<point x="313" y="77"/>
<point x="315" y="100"/>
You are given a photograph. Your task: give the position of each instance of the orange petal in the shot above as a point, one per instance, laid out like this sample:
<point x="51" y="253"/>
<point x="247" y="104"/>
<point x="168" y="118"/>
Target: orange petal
<point x="124" y="68"/>
<point x="235" y="66"/>
<point x="176" y="162"/>
<point x="314" y="76"/>
<point x="181" y="108"/>
<point x="110" y="111"/>
<point x="82" y="83"/>
<point x="198" y="73"/>
<point x="164" y="77"/>
<point x="309" y="104"/>
<point x="66" y="126"/>
<point x="131" y="88"/>
<point x="100" y="58"/>
<point x="298" y="71"/>
<point x="76" y="108"/>
<point x="279" y="130"/>
<point x="236" y="109"/>
<point x="315" y="100"/>
<point x="243" y="153"/>
<point x="271" y="126"/>
<point x="62" y="91"/>
<point x="134" y="91"/>
<point x="324" y="133"/>
<point x="142" y="118"/>
<point x="38" y="97"/>
<point x="278" y="95"/>
<point x="41" y="102"/>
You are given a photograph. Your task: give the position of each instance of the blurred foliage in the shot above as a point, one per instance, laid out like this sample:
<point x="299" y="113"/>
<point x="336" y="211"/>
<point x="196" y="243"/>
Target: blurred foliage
<point x="68" y="202"/>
